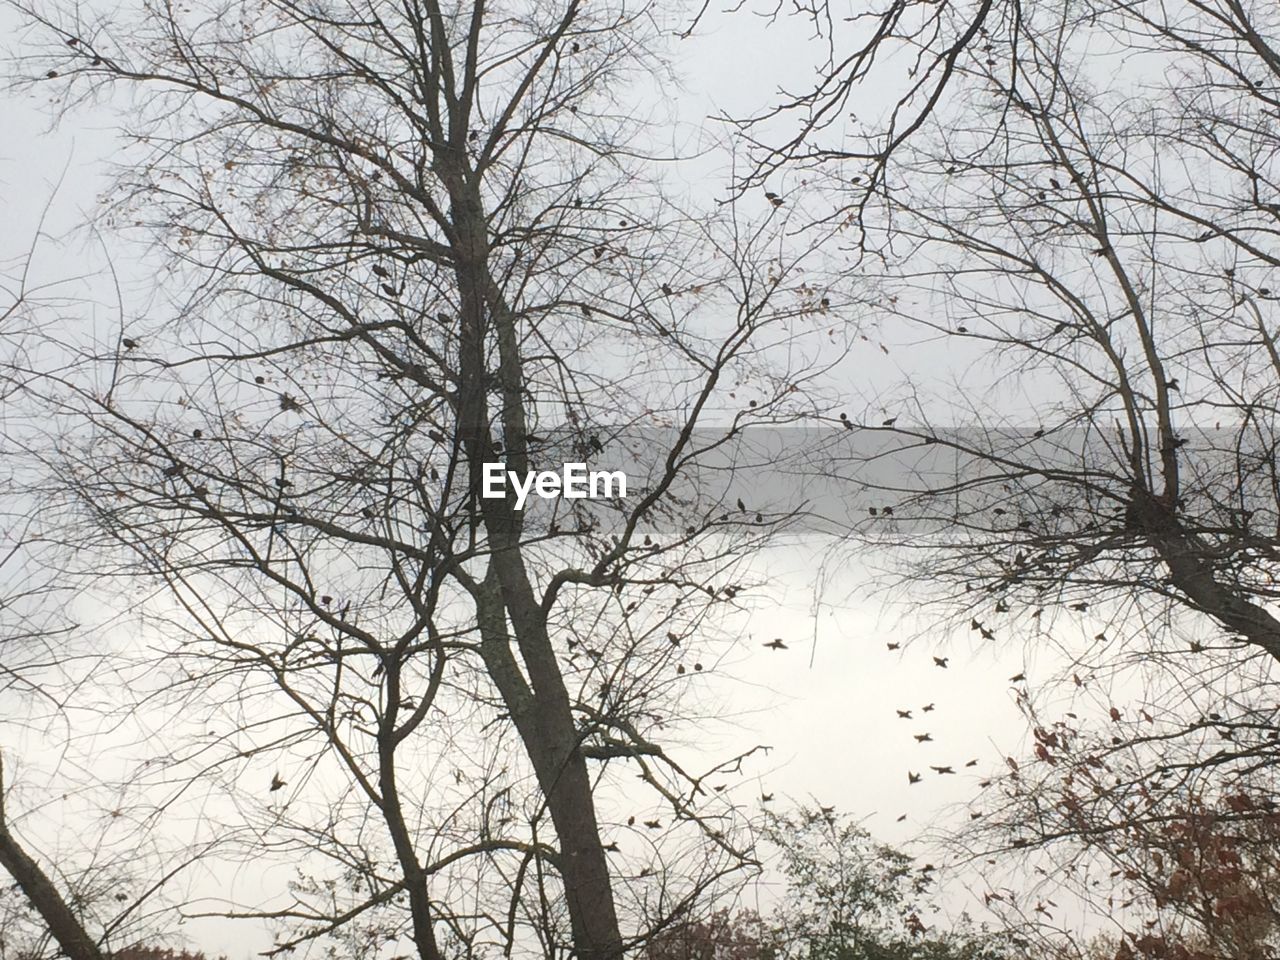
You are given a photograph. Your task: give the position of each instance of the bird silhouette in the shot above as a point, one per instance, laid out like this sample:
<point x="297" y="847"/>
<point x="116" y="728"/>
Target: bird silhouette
<point x="653" y="824"/>
<point x="927" y="708"/>
<point x="941" y="661"/>
<point x="913" y="777"/>
<point x="773" y="198"/>
<point x="389" y="290"/>
<point x="894" y="646"/>
<point x="276" y="782"/>
<point x="130" y="343"/>
<point x="776" y="644"/>
<point x="904" y="714"/>
<point x="923" y="738"/>
<point x="972" y="763"/>
<point x="381" y="271"/>
<point x="901" y="818"/>
<point x="1054" y="183"/>
<point x="742" y="506"/>
<point x="766" y="797"/>
<point x="1018" y="678"/>
<point x="666" y="290"/>
<point x="890" y="422"/>
<point x="940" y="771"/>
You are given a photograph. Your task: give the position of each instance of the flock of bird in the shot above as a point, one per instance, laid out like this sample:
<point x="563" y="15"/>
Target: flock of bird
<point x="941" y="663"/>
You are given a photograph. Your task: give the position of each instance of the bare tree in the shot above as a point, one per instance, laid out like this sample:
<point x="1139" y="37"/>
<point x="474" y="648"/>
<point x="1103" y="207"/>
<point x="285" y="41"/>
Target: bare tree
<point x="83" y="897"/>
<point x="1088" y="228"/>
<point x="401" y="241"/>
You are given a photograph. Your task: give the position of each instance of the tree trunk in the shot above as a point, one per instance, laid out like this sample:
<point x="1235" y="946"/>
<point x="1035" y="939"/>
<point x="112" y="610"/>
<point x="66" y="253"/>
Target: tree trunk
<point x="62" y="922"/>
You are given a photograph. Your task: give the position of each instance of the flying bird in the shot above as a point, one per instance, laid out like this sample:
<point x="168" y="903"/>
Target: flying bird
<point x="913" y="777"/>
<point x="904" y="714"/>
<point x="923" y="738"/>
<point x="1018" y="678"/>
<point x="941" y="661"/>
<point x="927" y="708"/>
<point x="894" y="646"/>
<point x="776" y="644"/>
<point x="276" y="782"/>
<point x="941" y="770"/>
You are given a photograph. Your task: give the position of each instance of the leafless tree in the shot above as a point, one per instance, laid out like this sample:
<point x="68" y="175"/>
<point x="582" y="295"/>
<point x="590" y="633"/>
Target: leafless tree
<point x="398" y="241"/>
<point x="1087" y="234"/>
<point x="82" y="897"/>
